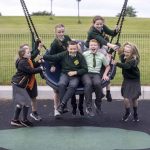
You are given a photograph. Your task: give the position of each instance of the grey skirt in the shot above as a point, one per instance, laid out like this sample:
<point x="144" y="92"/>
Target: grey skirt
<point x="131" y="89"/>
<point x="20" y="96"/>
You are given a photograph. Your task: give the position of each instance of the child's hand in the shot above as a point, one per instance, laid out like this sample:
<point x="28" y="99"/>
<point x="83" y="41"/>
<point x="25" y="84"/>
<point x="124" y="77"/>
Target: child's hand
<point x="72" y="73"/>
<point x="105" y="77"/>
<point x="117" y="28"/>
<point x="40" y="46"/>
<point x="53" y="69"/>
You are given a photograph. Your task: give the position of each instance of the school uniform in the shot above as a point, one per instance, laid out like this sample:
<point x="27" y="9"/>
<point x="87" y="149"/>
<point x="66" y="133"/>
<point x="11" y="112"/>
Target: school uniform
<point x="21" y="80"/>
<point x="131" y="86"/>
<point x="93" y="33"/>
<point x="93" y="78"/>
<point x="33" y="93"/>
<point x="67" y="85"/>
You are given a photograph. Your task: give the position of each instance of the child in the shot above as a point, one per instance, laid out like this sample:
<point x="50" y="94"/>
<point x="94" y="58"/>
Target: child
<point x="100" y="32"/>
<point x="23" y="79"/>
<point x="33" y="92"/>
<point x="73" y="66"/>
<point x="131" y="87"/>
<point x="59" y="45"/>
<point x="92" y="80"/>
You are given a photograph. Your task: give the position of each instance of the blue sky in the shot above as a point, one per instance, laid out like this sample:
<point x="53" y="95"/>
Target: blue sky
<point x="69" y="7"/>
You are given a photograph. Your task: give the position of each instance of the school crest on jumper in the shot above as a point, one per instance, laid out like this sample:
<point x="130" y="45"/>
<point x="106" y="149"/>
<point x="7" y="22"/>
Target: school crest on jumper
<point x="76" y="62"/>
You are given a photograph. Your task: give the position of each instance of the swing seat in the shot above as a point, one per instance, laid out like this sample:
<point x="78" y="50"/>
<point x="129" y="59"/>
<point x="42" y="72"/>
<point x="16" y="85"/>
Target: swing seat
<point x="52" y="78"/>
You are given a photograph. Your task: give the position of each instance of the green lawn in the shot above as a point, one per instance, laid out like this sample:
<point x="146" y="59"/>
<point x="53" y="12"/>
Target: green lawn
<point x="14" y="31"/>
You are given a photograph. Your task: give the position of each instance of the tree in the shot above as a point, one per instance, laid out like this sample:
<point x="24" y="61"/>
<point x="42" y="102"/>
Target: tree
<point x="0" y="14"/>
<point x="78" y="1"/>
<point x="41" y="13"/>
<point x="130" y="12"/>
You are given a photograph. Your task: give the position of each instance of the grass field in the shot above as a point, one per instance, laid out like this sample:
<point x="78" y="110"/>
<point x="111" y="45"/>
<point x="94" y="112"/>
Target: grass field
<point x="14" y="31"/>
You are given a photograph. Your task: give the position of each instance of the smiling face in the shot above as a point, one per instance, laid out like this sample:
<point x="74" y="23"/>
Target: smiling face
<point x="59" y="31"/>
<point x="98" y="24"/>
<point x="127" y="51"/>
<point x="72" y="49"/>
<point x="93" y="46"/>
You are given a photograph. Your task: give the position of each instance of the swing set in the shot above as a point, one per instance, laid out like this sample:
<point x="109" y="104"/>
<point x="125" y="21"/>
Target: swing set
<point x="52" y="78"/>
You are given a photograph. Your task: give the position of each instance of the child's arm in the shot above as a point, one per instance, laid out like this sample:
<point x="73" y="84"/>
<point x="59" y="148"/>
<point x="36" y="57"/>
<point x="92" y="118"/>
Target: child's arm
<point x="109" y="31"/>
<point x="36" y="50"/>
<point x="54" y="58"/>
<point x="84" y="68"/>
<point x="24" y="66"/>
<point x="105" y="75"/>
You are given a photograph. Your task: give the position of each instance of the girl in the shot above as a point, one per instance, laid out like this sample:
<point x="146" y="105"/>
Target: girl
<point x="33" y="92"/>
<point x="98" y="30"/>
<point x="131" y="87"/>
<point x="23" y="79"/>
<point x="59" y="45"/>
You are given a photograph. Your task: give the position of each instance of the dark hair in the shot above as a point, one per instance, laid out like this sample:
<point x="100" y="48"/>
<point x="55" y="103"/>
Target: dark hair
<point x="72" y="43"/>
<point x="22" y="50"/>
<point x="97" y="18"/>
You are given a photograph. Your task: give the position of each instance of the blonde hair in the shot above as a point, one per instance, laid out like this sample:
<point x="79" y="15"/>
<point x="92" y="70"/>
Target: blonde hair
<point x="95" y="41"/>
<point x="22" y="50"/>
<point x="134" y="51"/>
<point x="59" y="26"/>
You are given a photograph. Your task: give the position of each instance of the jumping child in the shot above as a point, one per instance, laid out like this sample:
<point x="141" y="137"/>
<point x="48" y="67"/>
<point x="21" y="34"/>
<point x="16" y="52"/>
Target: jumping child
<point x="131" y="87"/>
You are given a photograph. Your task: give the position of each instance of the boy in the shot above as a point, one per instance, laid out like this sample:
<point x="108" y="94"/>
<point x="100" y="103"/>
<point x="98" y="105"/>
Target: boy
<point x="73" y="66"/>
<point x="92" y="79"/>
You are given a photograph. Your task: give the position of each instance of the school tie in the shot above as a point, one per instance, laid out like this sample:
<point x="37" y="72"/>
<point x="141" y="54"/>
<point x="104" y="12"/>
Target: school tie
<point x="94" y="61"/>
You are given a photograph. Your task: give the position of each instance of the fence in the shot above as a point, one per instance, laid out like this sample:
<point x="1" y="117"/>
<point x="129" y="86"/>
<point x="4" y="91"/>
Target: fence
<point x="9" y="44"/>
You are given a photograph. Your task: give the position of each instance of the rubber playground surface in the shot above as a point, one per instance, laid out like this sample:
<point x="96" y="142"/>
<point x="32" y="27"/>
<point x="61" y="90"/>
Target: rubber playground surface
<point x="101" y="132"/>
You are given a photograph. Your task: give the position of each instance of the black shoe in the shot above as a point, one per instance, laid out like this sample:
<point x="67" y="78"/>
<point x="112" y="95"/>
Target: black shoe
<point x="65" y="110"/>
<point x="74" y="111"/>
<point x="109" y="98"/>
<point x="81" y="112"/>
<point x="126" y="117"/>
<point x="136" y="118"/>
<point x="27" y="123"/>
<point x="16" y="123"/>
<point x="90" y="112"/>
<point x="61" y="108"/>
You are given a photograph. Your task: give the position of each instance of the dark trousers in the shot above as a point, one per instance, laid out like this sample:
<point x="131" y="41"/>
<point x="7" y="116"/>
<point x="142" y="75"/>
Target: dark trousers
<point x="67" y="86"/>
<point x="74" y="102"/>
<point x="92" y="82"/>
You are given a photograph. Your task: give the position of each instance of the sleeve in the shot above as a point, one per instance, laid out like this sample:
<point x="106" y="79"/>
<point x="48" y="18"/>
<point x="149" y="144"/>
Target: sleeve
<point x="105" y="61"/>
<point x="99" y="38"/>
<point x="109" y="31"/>
<point x="54" y="58"/>
<point x="25" y="67"/>
<point x="127" y="65"/>
<point x="35" y="50"/>
<point x="84" y="68"/>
